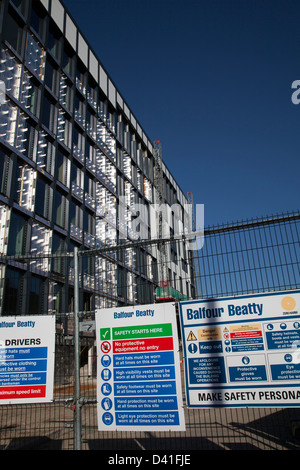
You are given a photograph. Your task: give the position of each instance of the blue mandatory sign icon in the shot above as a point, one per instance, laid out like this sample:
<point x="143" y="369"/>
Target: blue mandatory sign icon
<point x="106" y="360"/>
<point x="106" y="374"/>
<point x="106" y="403"/>
<point x="106" y="389"/>
<point x="192" y="348"/>
<point x="107" y="418"/>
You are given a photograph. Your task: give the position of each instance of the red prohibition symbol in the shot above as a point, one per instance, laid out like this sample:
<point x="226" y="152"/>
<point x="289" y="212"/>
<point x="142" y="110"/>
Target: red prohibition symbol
<point x="105" y="347"/>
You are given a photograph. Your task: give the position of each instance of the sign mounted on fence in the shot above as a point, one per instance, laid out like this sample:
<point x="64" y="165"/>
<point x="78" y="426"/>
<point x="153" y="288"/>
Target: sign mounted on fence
<point x="242" y="351"/>
<point x="138" y="373"/>
<point x="27" y="346"/>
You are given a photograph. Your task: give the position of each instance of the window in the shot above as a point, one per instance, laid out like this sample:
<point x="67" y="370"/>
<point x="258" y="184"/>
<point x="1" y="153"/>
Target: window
<point x="80" y="78"/>
<point x="49" y="113"/>
<point x="53" y="41"/>
<point x="51" y="77"/>
<point x="58" y="247"/>
<point x="77" y="176"/>
<point x="64" y="128"/>
<point x="76" y="214"/>
<point x="87" y="302"/>
<point x="36" y="295"/>
<point x="65" y="93"/>
<point x="12" y="291"/>
<point x="90" y="186"/>
<point x="92" y="94"/>
<point x="45" y="154"/>
<point x="91" y="123"/>
<point x="89" y="222"/>
<point x="13" y="33"/>
<point x="20" y="4"/>
<point x="60" y="209"/>
<point x="5" y="164"/>
<point x="30" y="94"/>
<point x="40" y="244"/>
<point x="43" y="198"/>
<point x="102" y="106"/>
<point x="79" y="110"/>
<point x="26" y="139"/>
<point x="23" y="185"/>
<point x="37" y="20"/>
<point x="8" y="122"/>
<point x="88" y="265"/>
<point x="126" y="137"/>
<point x="121" y="282"/>
<point x="67" y="61"/>
<point x="111" y="119"/>
<point x="17" y="234"/>
<point x="56" y="291"/>
<point x="71" y="299"/>
<point x="78" y="141"/>
<point x="63" y="168"/>
<point x="35" y="57"/>
<point x="11" y="73"/>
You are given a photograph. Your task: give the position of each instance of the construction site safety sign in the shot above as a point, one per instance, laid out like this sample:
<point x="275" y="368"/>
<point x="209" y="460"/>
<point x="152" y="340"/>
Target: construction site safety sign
<point x="27" y="347"/>
<point x="242" y="351"/>
<point x="138" y="372"/>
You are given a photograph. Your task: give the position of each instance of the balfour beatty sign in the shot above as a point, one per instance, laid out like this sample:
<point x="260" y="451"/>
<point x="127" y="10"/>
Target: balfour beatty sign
<point x="242" y="351"/>
<point x="204" y="312"/>
<point x="138" y="380"/>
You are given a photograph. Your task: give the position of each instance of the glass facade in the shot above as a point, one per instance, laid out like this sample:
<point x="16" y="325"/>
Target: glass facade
<point x="74" y="162"/>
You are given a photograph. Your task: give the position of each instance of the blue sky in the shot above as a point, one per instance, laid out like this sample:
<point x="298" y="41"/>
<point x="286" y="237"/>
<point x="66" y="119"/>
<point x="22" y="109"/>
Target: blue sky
<point x="211" y="79"/>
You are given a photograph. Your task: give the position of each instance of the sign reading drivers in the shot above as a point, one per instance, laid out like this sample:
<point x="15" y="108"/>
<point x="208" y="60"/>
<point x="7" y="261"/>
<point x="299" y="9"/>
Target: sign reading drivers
<point x="27" y="347"/>
<point x="138" y="373"/>
<point x="242" y="351"/>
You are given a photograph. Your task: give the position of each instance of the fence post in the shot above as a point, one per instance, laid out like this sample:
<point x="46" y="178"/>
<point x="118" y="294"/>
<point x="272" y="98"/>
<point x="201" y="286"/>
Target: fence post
<point x="77" y="398"/>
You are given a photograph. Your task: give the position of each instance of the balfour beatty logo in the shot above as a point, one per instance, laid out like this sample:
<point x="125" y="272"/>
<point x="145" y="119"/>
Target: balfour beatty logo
<point x="203" y="312"/>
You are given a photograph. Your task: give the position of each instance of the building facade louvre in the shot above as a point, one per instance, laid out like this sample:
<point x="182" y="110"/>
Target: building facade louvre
<point x="75" y="166"/>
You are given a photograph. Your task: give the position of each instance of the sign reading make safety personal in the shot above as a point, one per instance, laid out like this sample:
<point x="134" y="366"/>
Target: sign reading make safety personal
<point x="242" y="351"/>
<point x="138" y="369"/>
<point x="27" y="346"/>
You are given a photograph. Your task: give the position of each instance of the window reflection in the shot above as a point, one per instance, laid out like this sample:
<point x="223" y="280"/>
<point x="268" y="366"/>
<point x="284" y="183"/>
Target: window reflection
<point x="35" y="56"/>
<point x="17" y="236"/>
<point x="12" y="291"/>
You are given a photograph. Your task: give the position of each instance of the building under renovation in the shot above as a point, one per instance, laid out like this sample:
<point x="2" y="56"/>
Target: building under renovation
<point x="78" y="169"/>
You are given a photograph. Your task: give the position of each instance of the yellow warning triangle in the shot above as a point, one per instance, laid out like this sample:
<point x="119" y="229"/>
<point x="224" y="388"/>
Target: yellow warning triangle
<point x="191" y="337"/>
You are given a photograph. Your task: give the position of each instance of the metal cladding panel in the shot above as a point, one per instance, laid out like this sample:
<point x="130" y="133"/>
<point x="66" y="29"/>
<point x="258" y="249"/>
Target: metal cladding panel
<point x="57" y="13"/>
<point x="112" y="94"/>
<point x="71" y="32"/>
<point x="93" y="66"/>
<point x="82" y="49"/>
<point x="103" y="80"/>
<point x="45" y="3"/>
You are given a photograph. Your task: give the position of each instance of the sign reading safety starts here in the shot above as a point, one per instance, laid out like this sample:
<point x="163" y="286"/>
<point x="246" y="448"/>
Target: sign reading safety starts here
<point x="138" y="374"/>
<point x="242" y="351"/>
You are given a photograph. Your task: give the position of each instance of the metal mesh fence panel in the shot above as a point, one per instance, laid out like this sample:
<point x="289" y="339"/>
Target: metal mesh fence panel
<point x="249" y="257"/>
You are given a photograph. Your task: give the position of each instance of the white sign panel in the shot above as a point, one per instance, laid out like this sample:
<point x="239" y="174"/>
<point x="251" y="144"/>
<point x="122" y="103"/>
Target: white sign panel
<point x="138" y="369"/>
<point x="27" y="347"/>
<point x="242" y="351"/>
